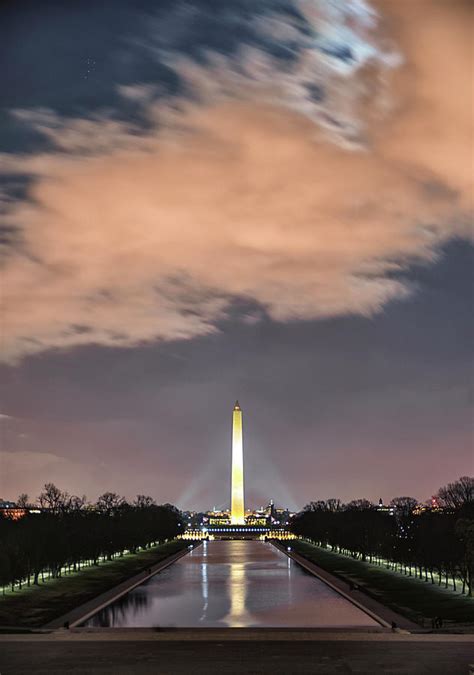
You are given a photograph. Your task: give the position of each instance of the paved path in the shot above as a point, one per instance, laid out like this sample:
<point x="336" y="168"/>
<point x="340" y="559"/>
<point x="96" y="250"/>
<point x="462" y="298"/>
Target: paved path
<point x="361" y="599"/>
<point x="83" y="612"/>
<point x="279" y="652"/>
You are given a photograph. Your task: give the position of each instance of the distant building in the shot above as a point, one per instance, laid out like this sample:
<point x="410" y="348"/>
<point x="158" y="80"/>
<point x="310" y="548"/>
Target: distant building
<point x="432" y="505"/>
<point x="11" y="510"/>
<point x="4" y="504"/>
<point x="217" y="517"/>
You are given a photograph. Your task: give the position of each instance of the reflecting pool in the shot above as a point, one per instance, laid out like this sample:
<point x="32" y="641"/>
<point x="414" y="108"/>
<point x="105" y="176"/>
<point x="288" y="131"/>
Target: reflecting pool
<point x="232" y="584"/>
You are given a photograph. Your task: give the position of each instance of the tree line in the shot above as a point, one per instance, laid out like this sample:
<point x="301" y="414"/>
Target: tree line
<point x="435" y="543"/>
<point x="69" y="533"/>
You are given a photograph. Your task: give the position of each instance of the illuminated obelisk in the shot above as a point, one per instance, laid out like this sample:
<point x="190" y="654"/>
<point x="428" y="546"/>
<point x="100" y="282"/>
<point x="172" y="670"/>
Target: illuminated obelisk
<point x="237" y="513"/>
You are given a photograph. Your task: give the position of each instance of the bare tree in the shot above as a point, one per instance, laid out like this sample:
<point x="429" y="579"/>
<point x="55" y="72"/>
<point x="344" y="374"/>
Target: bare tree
<point x="404" y="506"/>
<point x="144" y="501"/>
<point x="53" y="499"/>
<point x="77" y="503"/>
<point x="457" y="494"/>
<point x="359" y="505"/>
<point x="465" y="532"/>
<point x="333" y="504"/>
<point x="110" y="502"/>
<point x="22" y="501"/>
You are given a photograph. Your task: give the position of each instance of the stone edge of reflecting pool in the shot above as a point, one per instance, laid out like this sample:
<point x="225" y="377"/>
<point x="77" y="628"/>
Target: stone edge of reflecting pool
<point x="312" y="569"/>
<point x="77" y="617"/>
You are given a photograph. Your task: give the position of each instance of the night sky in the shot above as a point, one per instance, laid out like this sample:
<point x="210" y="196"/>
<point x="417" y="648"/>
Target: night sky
<point x="206" y="201"/>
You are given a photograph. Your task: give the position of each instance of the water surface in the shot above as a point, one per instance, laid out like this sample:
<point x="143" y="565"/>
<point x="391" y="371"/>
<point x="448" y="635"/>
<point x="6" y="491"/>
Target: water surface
<point x="232" y="584"/>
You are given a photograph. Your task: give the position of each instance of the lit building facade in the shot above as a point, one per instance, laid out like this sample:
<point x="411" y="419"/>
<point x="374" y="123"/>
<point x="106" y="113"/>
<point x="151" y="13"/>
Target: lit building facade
<point x="14" y="512"/>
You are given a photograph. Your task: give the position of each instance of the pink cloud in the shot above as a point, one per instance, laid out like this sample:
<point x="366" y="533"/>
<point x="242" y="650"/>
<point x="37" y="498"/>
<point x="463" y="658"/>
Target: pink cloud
<point x="129" y="238"/>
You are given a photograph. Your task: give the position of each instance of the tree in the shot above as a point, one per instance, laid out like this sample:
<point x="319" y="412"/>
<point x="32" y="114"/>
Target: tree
<point x="110" y="502"/>
<point x="77" y="503"/>
<point x="53" y="499"/>
<point x="404" y="506"/>
<point x="434" y="542"/>
<point x="359" y="505"/>
<point x="143" y="501"/>
<point x="465" y="532"/>
<point x="455" y="495"/>
<point x="22" y="501"/>
<point x="66" y="535"/>
<point x="403" y="547"/>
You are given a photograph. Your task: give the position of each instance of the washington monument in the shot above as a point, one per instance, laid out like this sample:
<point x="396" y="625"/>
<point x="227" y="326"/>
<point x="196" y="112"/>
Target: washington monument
<point x="237" y="515"/>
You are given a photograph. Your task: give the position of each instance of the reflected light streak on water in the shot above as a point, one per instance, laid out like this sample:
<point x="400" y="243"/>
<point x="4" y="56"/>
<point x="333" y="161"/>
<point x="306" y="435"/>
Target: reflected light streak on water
<point x="205" y="586"/>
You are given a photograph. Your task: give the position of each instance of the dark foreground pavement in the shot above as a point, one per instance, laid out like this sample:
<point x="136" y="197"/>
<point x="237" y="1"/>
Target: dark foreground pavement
<point x="326" y="655"/>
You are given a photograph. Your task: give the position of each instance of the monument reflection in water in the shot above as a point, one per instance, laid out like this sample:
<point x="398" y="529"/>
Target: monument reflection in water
<point x="232" y="584"/>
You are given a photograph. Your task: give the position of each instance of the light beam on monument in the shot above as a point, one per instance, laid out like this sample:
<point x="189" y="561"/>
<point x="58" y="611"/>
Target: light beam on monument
<point x="237" y="515"/>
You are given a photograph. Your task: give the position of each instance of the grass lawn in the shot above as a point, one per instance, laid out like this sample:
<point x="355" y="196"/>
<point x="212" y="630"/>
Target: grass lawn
<point x="415" y="599"/>
<point x="34" y="606"/>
